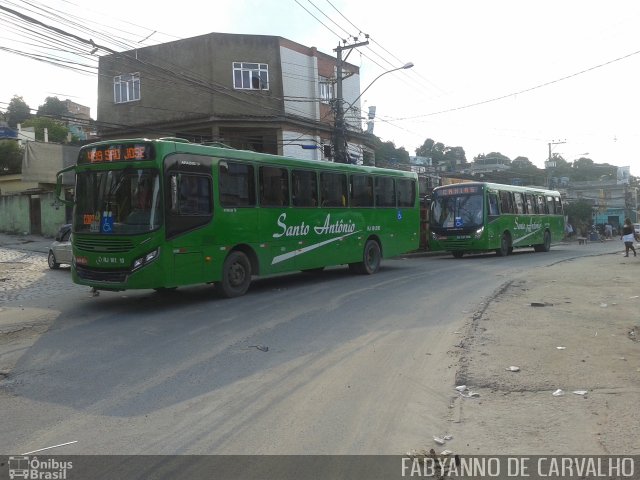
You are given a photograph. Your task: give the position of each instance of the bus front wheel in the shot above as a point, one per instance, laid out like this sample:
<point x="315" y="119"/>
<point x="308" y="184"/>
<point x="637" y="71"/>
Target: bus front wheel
<point x="236" y="275"/>
<point x="371" y="257"/>
<point x="505" y="246"/>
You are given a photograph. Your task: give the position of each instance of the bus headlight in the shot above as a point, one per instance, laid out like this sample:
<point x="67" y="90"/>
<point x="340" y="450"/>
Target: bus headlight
<point x="478" y="233"/>
<point x="147" y="259"/>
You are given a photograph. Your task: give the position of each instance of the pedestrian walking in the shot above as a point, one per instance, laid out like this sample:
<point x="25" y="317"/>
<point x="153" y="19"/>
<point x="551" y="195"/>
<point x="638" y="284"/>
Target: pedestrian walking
<point x="628" y="236"/>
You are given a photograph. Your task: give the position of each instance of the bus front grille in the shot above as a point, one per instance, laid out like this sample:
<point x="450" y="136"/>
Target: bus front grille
<point x="113" y="276"/>
<point x="103" y="244"/>
<point x="455" y="243"/>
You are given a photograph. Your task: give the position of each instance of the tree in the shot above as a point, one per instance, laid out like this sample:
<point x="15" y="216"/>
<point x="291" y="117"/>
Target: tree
<point x="53" y="107"/>
<point x="10" y="157"/>
<point x="493" y="158"/>
<point x="386" y="153"/>
<point x="17" y="112"/>
<point x="56" y="131"/>
<point x="431" y="149"/>
<point x="454" y="156"/>
<point x="522" y="163"/>
<point x="579" y="213"/>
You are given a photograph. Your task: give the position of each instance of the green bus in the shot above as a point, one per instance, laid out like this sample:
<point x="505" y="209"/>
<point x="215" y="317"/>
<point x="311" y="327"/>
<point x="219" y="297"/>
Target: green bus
<point x="163" y="213"/>
<point x="478" y="217"/>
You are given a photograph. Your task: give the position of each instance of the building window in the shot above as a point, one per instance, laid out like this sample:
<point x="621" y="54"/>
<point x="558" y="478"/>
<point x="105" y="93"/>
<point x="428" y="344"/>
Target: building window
<point x="126" y="88"/>
<point x="250" y="76"/>
<point x="326" y="90"/>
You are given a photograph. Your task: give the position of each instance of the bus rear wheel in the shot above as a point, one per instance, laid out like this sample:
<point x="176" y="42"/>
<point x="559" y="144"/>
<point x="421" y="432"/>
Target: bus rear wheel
<point x="545" y="246"/>
<point x="505" y="246"/>
<point x="236" y="275"/>
<point x="457" y="253"/>
<point x="371" y="257"/>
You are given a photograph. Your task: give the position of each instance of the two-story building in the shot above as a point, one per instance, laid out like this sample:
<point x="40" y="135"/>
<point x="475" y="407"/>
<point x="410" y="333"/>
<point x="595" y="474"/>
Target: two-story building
<point x="255" y="92"/>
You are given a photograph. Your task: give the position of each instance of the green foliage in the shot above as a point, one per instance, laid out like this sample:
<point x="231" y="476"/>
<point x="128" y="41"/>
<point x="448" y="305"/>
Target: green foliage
<point x="53" y="107"/>
<point x="386" y="153"/>
<point x="431" y="149"/>
<point x="579" y="213"/>
<point x="493" y="158"/>
<point x="10" y="157"/>
<point x="17" y="112"/>
<point x="57" y="131"/>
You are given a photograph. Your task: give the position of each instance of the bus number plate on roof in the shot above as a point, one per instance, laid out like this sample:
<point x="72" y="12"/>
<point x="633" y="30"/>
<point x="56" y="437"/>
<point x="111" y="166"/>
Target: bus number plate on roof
<point x="116" y="153"/>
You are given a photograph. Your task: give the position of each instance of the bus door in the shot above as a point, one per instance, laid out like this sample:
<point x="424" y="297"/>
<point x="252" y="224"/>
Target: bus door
<point x="189" y="200"/>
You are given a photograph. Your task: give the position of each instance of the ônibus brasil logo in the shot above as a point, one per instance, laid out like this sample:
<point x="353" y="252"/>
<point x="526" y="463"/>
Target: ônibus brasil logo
<point x="23" y="466"/>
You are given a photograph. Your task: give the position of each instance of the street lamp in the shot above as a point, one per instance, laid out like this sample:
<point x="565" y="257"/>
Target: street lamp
<point x="340" y="137"/>
<point x="404" y="67"/>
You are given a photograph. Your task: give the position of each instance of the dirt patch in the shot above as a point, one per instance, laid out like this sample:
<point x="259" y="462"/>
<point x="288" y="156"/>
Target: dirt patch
<point x="566" y="327"/>
<point x="20" y="328"/>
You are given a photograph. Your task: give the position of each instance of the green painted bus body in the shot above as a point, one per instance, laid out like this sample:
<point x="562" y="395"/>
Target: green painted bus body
<point x="274" y="239"/>
<point x="501" y="218"/>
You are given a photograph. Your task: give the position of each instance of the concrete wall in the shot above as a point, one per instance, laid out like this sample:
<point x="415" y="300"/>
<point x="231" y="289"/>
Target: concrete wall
<point x="15" y="214"/>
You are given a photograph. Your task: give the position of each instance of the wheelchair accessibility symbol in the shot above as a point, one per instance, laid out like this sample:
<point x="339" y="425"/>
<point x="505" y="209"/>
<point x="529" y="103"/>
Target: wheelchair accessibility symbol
<point x="458" y="221"/>
<point x="106" y="225"/>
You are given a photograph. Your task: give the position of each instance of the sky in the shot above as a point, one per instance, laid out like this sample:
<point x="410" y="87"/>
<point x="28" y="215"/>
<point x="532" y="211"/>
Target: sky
<point x="489" y="76"/>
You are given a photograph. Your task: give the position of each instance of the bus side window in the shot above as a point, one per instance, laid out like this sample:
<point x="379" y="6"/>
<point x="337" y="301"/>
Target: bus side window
<point x="195" y="195"/>
<point x="361" y="191"/>
<point x="542" y="205"/>
<point x="236" y="185"/>
<point x="333" y="189"/>
<point x="493" y="204"/>
<point x="385" y="194"/>
<point x="559" y="206"/>
<point x="304" y="188"/>
<point x="550" y="206"/>
<point x="530" y="204"/>
<point x="519" y="203"/>
<point x="506" y="203"/>
<point x="274" y="187"/>
<point x="406" y="192"/>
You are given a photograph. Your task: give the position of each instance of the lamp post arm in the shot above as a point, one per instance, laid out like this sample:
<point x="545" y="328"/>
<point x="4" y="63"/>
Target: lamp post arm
<point x="404" y="67"/>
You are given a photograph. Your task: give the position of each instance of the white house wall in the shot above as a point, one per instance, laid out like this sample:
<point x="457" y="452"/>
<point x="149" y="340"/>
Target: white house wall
<point x="300" y="80"/>
<point x="292" y="146"/>
<point x="351" y="91"/>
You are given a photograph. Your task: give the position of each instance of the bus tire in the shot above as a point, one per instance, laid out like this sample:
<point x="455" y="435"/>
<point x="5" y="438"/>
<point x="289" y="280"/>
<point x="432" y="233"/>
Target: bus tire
<point x="545" y="246"/>
<point x="371" y="257"/>
<point x="236" y="275"/>
<point x="505" y="245"/>
<point x="457" y="253"/>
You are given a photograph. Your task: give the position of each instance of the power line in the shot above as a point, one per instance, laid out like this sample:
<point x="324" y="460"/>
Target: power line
<point x="526" y="90"/>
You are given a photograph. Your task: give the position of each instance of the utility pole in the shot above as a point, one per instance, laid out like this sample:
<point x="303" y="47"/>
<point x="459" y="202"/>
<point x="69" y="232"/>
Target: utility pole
<point x="549" y="164"/>
<point x="340" y="133"/>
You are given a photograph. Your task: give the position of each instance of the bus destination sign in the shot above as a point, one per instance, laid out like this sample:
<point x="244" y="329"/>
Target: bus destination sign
<point x="119" y="152"/>
<point x="458" y="190"/>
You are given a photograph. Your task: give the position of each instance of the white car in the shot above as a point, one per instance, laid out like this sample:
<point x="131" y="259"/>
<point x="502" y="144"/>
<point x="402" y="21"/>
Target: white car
<point x="60" y="249"/>
<point x="636" y="228"/>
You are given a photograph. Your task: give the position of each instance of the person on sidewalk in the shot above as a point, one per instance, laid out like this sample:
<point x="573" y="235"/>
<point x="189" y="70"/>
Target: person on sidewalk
<point x="628" y="236"/>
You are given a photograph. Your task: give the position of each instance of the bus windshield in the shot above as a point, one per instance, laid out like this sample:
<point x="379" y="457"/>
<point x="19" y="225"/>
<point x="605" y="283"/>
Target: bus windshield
<point x="118" y="201"/>
<point x="459" y="211"/>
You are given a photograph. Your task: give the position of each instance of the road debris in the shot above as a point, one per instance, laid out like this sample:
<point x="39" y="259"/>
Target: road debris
<point x="580" y="392"/>
<point x="466" y="393"/>
<point x="561" y="348"/>
<point x="513" y="368"/>
<point x="262" y="348"/>
<point x="558" y="393"/>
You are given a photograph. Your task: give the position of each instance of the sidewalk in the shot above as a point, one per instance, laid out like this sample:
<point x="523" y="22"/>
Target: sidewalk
<point x="31" y="243"/>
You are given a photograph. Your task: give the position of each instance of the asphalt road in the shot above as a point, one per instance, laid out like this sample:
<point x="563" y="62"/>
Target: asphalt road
<point x="325" y="363"/>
